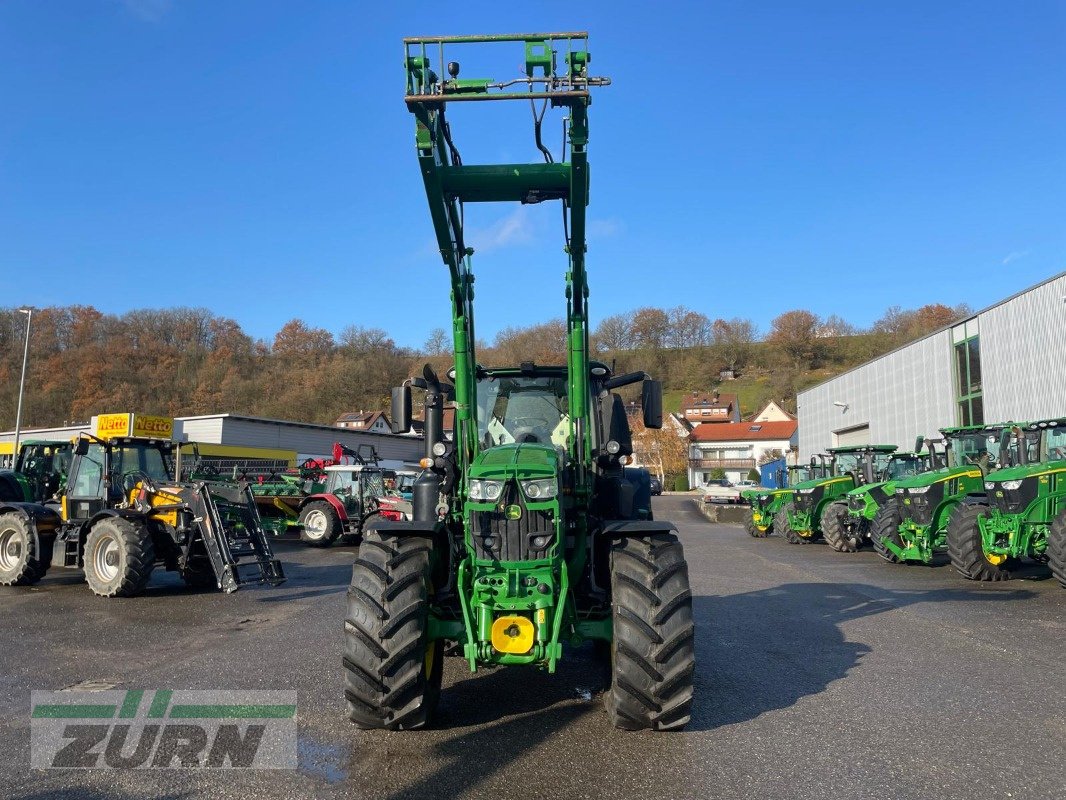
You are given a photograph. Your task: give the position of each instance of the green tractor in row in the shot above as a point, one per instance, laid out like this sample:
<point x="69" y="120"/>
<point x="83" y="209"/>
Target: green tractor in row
<point x="846" y="522"/>
<point x="530" y="534"/>
<point x="766" y="503"/>
<point x="1022" y="513"/>
<point x="803" y="518"/>
<point x="40" y="472"/>
<point x="912" y="525"/>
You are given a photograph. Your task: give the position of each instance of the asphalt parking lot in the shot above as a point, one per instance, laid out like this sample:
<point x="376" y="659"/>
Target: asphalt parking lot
<point x="819" y="674"/>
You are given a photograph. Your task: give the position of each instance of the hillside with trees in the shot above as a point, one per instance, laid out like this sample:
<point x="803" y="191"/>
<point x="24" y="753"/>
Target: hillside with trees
<point x="186" y="361"/>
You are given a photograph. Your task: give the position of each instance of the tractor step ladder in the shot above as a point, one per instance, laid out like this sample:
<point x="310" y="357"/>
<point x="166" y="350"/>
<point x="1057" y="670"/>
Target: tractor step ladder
<point x="237" y="557"/>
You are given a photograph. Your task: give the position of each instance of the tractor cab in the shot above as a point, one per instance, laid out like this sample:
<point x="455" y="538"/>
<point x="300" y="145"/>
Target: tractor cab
<point x="103" y="473"/>
<point x="40" y="472"/>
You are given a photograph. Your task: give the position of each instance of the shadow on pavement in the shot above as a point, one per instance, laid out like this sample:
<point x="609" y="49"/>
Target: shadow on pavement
<point x="765" y="650"/>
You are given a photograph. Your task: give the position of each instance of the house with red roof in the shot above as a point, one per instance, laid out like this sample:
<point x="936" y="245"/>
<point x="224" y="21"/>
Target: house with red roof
<point x="737" y="447"/>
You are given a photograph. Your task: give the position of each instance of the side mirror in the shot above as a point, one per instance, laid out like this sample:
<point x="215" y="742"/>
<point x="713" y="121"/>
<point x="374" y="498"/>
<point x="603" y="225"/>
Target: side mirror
<point x="81" y="446"/>
<point x="401" y="409"/>
<point x="651" y="400"/>
<point x="918" y="443"/>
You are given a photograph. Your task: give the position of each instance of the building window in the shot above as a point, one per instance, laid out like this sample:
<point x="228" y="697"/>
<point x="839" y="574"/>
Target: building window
<point x="966" y="344"/>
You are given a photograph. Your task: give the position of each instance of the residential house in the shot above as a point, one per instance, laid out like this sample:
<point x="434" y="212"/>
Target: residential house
<point x="773" y="413"/>
<point x="699" y="408"/>
<point x="373" y="421"/>
<point x="736" y="447"/>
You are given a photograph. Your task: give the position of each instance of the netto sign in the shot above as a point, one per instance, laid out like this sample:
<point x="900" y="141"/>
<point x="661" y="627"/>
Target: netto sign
<point x="108" y="426"/>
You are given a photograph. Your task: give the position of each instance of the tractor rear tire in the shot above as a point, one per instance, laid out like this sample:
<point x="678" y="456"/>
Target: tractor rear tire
<point x="886" y="527"/>
<point x="1056" y="548"/>
<point x="833" y="516"/>
<point x="319" y="525"/>
<point x="119" y="557"/>
<point x="652" y="652"/>
<point x="965" y="548"/>
<point x="392" y="671"/>
<point x="21" y="562"/>
<point x="755" y="532"/>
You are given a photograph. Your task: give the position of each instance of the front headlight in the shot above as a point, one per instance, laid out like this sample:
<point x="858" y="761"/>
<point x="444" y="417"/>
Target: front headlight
<point x="486" y="490"/>
<point x="540" y="489"/>
<point x="764" y="498"/>
<point x="919" y="490"/>
<point x="989" y="486"/>
<point x="806" y="491"/>
<point x="1010" y="486"/>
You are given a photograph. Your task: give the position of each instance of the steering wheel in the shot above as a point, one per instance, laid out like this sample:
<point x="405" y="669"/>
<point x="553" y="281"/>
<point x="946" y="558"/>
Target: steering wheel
<point x="132" y="478"/>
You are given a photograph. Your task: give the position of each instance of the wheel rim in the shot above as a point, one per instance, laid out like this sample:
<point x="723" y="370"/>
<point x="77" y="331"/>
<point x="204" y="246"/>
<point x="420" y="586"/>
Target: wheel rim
<point x="315" y="525"/>
<point x="106" y="558"/>
<point x="10" y="549"/>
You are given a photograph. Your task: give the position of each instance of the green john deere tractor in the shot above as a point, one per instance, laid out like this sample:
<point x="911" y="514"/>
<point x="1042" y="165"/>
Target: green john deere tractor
<point x="846" y="522"/>
<point x="529" y="532"/>
<point x="912" y="525"/>
<point x="1023" y="512"/>
<point x="765" y="503"/>
<point x="812" y="502"/>
<point x="40" y="471"/>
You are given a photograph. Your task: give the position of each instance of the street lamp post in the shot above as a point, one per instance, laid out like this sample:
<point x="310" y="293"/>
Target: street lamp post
<point x="28" y="311"/>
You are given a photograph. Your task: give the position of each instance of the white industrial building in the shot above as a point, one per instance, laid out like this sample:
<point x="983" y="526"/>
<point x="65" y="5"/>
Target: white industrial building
<point x="1007" y="362"/>
<point x="235" y="436"/>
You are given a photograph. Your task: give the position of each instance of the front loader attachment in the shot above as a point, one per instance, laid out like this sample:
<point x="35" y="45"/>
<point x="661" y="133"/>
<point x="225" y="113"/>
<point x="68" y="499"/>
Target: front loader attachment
<point x="232" y="533"/>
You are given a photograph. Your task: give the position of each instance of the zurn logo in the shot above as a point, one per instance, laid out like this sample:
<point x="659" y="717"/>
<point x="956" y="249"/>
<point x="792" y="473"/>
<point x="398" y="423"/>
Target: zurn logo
<point x="163" y="729"/>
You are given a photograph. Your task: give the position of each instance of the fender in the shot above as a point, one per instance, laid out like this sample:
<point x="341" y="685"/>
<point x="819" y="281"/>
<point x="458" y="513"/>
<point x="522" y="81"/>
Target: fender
<point x="338" y="506"/>
<point x="409" y="527"/>
<point x="617" y="528"/>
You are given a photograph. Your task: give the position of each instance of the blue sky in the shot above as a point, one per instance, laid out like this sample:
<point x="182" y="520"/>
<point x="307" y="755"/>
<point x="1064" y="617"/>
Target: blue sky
<point x="256" y="158"/>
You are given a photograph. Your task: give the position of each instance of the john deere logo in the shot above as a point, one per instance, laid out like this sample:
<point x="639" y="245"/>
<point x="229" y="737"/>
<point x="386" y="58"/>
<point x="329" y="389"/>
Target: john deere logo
<point x="514" y="512"/>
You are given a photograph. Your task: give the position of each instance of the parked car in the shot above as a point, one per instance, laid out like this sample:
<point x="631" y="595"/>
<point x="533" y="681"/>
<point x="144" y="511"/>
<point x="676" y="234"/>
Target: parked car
<point x="720" y="490"/>
<point x="742" y="485"/>
<point x="656" y="486"/>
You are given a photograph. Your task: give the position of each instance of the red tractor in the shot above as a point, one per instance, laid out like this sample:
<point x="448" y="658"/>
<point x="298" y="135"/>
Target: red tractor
<point x="355" y="495"/>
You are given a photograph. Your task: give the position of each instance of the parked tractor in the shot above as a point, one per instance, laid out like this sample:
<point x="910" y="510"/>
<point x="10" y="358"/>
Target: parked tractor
<point x="766" y="503"/>
<point x="40" y="472"/>
<point x="846" y="522"/>
<point x="812" y="502"/>
<point x="354" y="495"/>
<point x="1022" y="513"/>
<point x="529" y="531"/>
<point x="122" y="514"/>
<point x="912" y="525"/>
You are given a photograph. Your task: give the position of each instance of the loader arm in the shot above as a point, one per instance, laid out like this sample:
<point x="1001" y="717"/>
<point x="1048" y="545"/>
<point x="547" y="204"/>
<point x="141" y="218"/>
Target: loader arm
<point x="450" y="183"/>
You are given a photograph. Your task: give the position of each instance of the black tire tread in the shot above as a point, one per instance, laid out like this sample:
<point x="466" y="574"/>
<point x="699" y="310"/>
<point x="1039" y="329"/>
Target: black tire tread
<point x="384" y="635"/>
<point x="886" y="525"/>
<point x="335" y="527"/>
<point x="139" y="550"/>
<point x="833" y="529"/>
<point x="32" y="568"/>
<point x="653" y="656"/>
<point x="964" y="545"/>
<point x="1056" y="548"/>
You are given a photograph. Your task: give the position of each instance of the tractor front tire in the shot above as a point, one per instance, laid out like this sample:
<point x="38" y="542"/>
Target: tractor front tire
<point x="21" y="562"/>
<point x="119" y="557"/>
<point x="966" y="550"/>
<point x="781" y="526"/>
<point x="392" y="671"/>
<point x="754" y="531"/>
<point x="652" y="652"/>
<point x="1056" y="549"/>
<point x="319" y="524"/>
<point x="886" y="528"/>
<point x="833" y="517"/>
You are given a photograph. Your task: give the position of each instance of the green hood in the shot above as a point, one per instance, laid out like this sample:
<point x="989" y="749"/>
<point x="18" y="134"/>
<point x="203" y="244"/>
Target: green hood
<point x="1026" y="471"/>
<point x="937" y="476"/>
<point x="521" y="461"/>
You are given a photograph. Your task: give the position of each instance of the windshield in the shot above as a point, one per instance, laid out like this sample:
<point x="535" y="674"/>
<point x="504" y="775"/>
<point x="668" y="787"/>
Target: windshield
<point x="798" y="474"/>
<point x="374" y="484"/>
<point x="522" y="409"/>
<point x="903" y="468"/>
<point x="846" y="462"/>
<point x="978" y="449"/>
<point x="125" y="460"/>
